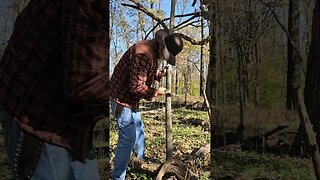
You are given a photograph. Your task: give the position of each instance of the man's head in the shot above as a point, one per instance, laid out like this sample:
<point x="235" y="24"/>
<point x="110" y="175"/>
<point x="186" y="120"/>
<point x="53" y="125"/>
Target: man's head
<point x="170" y="45"/>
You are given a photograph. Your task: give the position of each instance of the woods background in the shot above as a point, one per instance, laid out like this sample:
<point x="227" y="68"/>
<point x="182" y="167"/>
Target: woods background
<point x="256" y="62"/>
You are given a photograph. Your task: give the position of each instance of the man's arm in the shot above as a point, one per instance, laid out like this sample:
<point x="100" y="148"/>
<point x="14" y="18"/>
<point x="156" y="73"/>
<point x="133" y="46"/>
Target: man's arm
<point x="138" y="77"/>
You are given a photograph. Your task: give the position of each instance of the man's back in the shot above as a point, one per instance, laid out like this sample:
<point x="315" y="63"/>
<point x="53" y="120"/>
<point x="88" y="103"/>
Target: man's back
<point x="54" y="72"/>
<point x="134" y="74"/>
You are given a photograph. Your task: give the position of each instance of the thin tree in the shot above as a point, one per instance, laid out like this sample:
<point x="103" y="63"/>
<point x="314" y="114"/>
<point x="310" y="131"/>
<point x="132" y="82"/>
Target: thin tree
<point x="202" y="80"/>
<point x="169" y="146"/>
<point x="293" y="28"/>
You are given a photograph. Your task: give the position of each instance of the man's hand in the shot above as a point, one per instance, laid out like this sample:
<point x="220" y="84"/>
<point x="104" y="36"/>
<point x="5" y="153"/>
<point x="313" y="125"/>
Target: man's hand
<point x="161" y="91"/>
<point x="163" y="72"/>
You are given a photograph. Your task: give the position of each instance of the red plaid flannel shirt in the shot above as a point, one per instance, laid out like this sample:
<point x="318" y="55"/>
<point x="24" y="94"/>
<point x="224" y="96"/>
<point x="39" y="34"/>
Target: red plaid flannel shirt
<point x="54" y="73"/>
<point x="133" y="75"/>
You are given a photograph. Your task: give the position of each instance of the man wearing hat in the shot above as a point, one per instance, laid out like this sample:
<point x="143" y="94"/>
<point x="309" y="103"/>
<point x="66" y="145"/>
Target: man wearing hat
<point x="131" y="82"/>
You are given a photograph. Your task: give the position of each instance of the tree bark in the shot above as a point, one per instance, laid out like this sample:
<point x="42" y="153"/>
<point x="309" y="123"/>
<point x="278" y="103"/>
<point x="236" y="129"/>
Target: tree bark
<point x="169" y="146"/>
<point x="186" y="83"/>
<point x="312" y="86"/>
<point x="177" y="81"/>
<point x="219" y="52"/>
<point x="201" y="62"/>
<point x="293" y="28"/>
<point x="211" y="88"/>
<point x="309" y="108"/>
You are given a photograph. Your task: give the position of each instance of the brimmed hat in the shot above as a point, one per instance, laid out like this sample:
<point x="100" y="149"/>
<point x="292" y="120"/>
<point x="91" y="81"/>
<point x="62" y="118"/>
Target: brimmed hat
<point x="171" y="45"/>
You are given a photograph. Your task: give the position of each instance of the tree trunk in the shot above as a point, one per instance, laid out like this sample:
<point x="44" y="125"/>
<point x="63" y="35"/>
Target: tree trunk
<point x="293" y="28"/>
<point x="309" y="110"/>
<point x="169" y="146"/>
<point x="219" y="52"/>
<point x="256" y="75"/>
<point x="312" y="86"/>
<point x="186" y="83"/>
<point x="177" y="82"/>
<point x="211" y="88"/>
<point x="241" y="92"/>
<point x="201" y="62"/>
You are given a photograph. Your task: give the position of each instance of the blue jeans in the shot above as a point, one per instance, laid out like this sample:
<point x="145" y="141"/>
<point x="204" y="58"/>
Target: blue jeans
<point x="11" y="133"/>
<point x="130" y="138"/>
<point x="55" y="162"/>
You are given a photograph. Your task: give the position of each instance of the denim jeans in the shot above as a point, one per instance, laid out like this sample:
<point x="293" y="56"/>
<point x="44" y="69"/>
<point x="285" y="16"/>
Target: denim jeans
<point x="11" y="133"/>
<point x="131" y="138"/>
<point x="55" y="162"/>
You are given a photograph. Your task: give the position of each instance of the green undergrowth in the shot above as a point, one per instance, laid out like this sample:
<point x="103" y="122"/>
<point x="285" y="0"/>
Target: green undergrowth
<point x="186" y="137"/>
<point x="250" y="165"/>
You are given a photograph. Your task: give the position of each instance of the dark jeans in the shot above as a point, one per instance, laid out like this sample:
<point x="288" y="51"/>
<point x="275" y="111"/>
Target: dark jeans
<point x="55" y="162"/>
<point x="11" y="134"/>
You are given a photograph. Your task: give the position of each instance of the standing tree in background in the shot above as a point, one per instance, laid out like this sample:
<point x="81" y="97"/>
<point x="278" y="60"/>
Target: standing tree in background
<point x="311" y="93"/>
<point x="293" y="28"/>
<point x="312" y="85"/>
<point x="202" y="80"/>
<point x="307" y="106"/>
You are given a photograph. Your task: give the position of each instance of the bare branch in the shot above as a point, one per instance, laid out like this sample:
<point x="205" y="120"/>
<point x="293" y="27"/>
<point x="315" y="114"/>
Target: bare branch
<point x="194" y="2"/>
<point x="196" y="14"/>
<point x="184" y="22"/>
<point x="151" y="31"/>
<point x="143" y="9"/>
<point x="193" y="41"/>
<point x="190" y="23"/>
<point x="194" y="64"/>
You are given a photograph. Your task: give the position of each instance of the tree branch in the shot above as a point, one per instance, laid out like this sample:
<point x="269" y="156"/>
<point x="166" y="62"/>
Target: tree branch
<point x="143" y="9"/>
<point x="194" y="2"/>
<point x="190" y="23"/>
<point x="184" y="22"/>
<point x="196" y="14"/>
<point x="151" y="31"/>
<point x="193" y="41"/>
<point x="139" y="7"/>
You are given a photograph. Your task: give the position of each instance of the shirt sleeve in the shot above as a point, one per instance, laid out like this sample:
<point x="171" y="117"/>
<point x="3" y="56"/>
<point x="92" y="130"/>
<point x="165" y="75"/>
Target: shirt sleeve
<point x="85" y="54"/>
<point x="139" y="75"/>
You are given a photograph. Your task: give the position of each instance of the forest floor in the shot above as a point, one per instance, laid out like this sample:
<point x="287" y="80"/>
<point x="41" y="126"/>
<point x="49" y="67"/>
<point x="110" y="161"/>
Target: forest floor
<point x="191" y="131"/>
<point x="263" y="153"/>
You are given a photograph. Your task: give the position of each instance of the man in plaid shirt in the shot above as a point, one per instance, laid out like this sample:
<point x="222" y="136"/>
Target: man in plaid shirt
<point x="54" y="87"/>
<point x="131" y="82"/>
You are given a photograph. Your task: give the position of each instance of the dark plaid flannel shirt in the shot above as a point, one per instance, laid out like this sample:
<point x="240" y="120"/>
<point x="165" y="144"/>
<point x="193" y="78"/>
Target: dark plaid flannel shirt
<point x="54" y="73"/>
<point x="133" y="75"/>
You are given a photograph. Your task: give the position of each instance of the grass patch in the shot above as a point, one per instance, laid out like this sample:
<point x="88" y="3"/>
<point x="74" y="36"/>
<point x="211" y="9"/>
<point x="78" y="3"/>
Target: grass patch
<point x="250" y="165"/>
<point x="188" y="114"/>
<point x="185" y="137"/>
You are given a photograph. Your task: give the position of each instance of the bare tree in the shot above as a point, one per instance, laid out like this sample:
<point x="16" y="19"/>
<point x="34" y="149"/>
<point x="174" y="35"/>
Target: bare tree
<point x="293" y="28"/>
<point x="169" y="146"/>
<point x="308" y="106"/>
